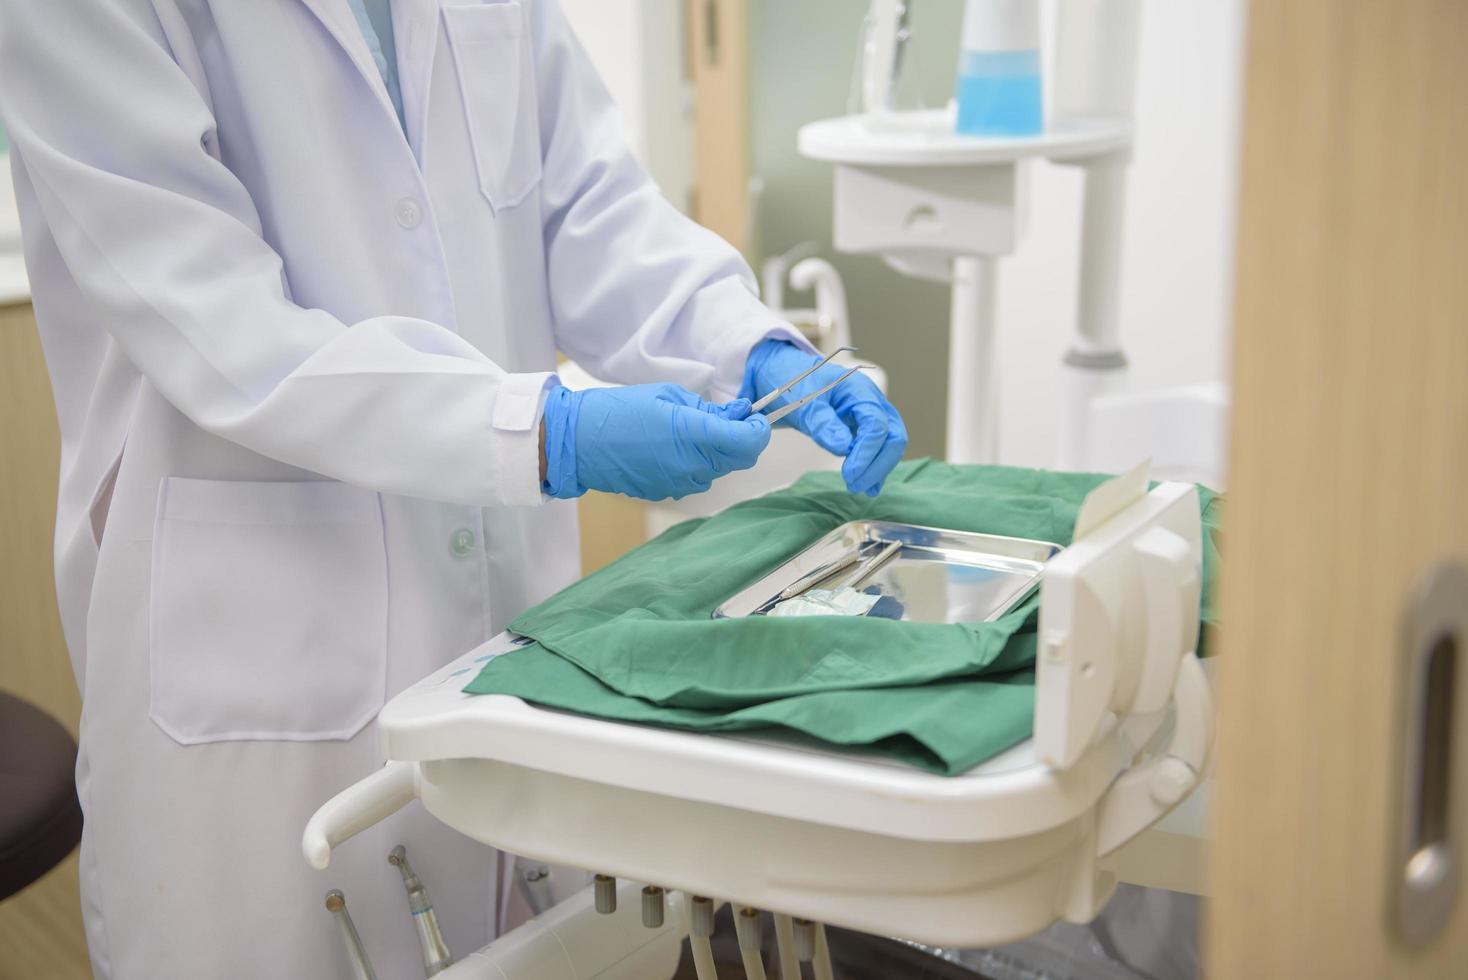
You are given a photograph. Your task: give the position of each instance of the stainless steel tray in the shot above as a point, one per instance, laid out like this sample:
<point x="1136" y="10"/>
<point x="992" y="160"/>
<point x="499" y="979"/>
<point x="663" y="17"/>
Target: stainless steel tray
<point x="938" y="576"/>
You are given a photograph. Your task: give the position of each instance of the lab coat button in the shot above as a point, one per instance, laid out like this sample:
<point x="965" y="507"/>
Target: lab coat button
<point x="462" y="542"/>
<point x="409" y="213"/>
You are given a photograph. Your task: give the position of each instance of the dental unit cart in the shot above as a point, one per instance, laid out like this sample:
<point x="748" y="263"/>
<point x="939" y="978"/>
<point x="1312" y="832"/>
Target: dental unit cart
<point x="678" y="823"/>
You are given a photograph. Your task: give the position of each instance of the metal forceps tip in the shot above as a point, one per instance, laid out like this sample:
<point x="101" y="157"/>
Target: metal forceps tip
<point x="784" y="410"/>
<point x="759" y="405"/>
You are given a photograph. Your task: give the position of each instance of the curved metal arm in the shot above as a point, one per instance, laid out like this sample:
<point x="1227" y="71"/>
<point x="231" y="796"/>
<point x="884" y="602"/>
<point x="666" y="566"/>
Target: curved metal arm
<point x="1145" y="794"/>
<point x="358" y="807"/>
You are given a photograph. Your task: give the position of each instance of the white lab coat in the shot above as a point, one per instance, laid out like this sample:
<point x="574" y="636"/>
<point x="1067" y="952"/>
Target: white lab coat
<point x="298" y="364"/>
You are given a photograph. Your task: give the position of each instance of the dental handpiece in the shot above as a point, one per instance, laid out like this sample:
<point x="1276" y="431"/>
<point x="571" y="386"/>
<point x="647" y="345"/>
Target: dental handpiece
<point x="336" y="904"/>
<point x="436" y="956"/>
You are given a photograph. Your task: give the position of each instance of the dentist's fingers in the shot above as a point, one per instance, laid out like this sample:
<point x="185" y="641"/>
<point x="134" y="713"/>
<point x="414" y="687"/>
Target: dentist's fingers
<point x="881" y="439"/>
<point x="820" y="421"/>
<point x="735" y="411"/>
<point x="735" y="445"/>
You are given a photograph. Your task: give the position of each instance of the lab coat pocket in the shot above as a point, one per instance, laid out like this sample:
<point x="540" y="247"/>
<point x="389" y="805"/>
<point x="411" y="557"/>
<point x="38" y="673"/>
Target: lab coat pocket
<point x="496" y="72"/>
<point x="269" y="611"/>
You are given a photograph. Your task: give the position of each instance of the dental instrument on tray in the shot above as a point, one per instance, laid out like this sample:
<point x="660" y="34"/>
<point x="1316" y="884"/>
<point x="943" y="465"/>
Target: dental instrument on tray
<point x="939" y="575"/>
<point x="874" y="565"/>
<point x="820" y="575"/>
<point x="841" y="598"/>
<point x="814" y="578"/>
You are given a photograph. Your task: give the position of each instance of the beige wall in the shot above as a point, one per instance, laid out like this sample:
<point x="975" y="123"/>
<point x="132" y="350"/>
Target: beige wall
<point x="40" y="928"/>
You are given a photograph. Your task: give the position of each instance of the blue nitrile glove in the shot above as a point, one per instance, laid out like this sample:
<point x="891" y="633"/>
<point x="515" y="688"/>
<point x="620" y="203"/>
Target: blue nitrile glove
<point x="647" y="441"/>
<point x="854" y="419"/>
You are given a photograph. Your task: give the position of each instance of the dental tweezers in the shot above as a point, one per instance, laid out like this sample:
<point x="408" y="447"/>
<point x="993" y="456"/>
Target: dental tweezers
<point x="784" y="410"/>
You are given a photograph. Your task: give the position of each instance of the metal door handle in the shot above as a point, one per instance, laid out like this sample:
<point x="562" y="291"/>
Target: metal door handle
<point x="1428" y="852"/>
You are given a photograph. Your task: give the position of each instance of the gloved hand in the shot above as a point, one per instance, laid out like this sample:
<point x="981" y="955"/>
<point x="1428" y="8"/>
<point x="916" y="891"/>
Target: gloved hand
<point x="647" y="441"/>
<point x="854" y="419"/>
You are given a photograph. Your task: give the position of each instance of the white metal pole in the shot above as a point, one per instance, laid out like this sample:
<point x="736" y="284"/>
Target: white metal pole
<point x="973" y="382"/>
<point x="1095" y="364"/>
<point x="1097" y="52"/>
<point x="1098" y="325"/>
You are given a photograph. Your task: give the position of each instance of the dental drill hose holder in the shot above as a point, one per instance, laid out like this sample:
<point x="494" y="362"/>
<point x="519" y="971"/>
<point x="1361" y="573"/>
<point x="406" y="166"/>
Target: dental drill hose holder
<point x="941" y="204"/>
<point x="989" y="855"/>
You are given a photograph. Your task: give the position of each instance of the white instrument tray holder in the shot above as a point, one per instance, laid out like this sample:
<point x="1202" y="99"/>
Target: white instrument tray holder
<point x="985" y="857"/>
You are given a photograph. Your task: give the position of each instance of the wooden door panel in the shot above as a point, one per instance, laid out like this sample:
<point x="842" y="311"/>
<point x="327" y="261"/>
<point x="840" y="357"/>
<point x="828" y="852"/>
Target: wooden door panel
<point x="1349" y="471"/>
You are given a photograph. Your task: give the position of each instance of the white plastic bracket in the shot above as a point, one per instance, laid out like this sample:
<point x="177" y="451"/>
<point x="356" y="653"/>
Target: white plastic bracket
<point x="1172" y="588"/>
<point x="1146" y="793"/>
<point x="359" y="806"/>
<point x="1118" y="613"/>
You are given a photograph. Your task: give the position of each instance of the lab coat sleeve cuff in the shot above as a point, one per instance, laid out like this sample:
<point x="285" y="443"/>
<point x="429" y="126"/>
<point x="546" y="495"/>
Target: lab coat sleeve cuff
<point x="756" y="323"/>
<point x="515" y="435"/>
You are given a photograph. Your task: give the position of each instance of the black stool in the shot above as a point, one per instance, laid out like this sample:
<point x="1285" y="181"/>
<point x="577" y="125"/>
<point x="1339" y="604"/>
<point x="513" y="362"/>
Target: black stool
<point x="40" y="816"/>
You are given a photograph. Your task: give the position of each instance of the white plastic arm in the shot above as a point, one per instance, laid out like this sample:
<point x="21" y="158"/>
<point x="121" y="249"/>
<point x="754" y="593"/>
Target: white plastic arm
<point x="1169" y="572"/>
<point x="358" y="807"/>
<point x="1145" y="794"/>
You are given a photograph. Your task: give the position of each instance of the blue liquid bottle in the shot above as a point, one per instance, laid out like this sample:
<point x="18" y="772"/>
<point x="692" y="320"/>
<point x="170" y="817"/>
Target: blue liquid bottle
<point x="999" y="91"/>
